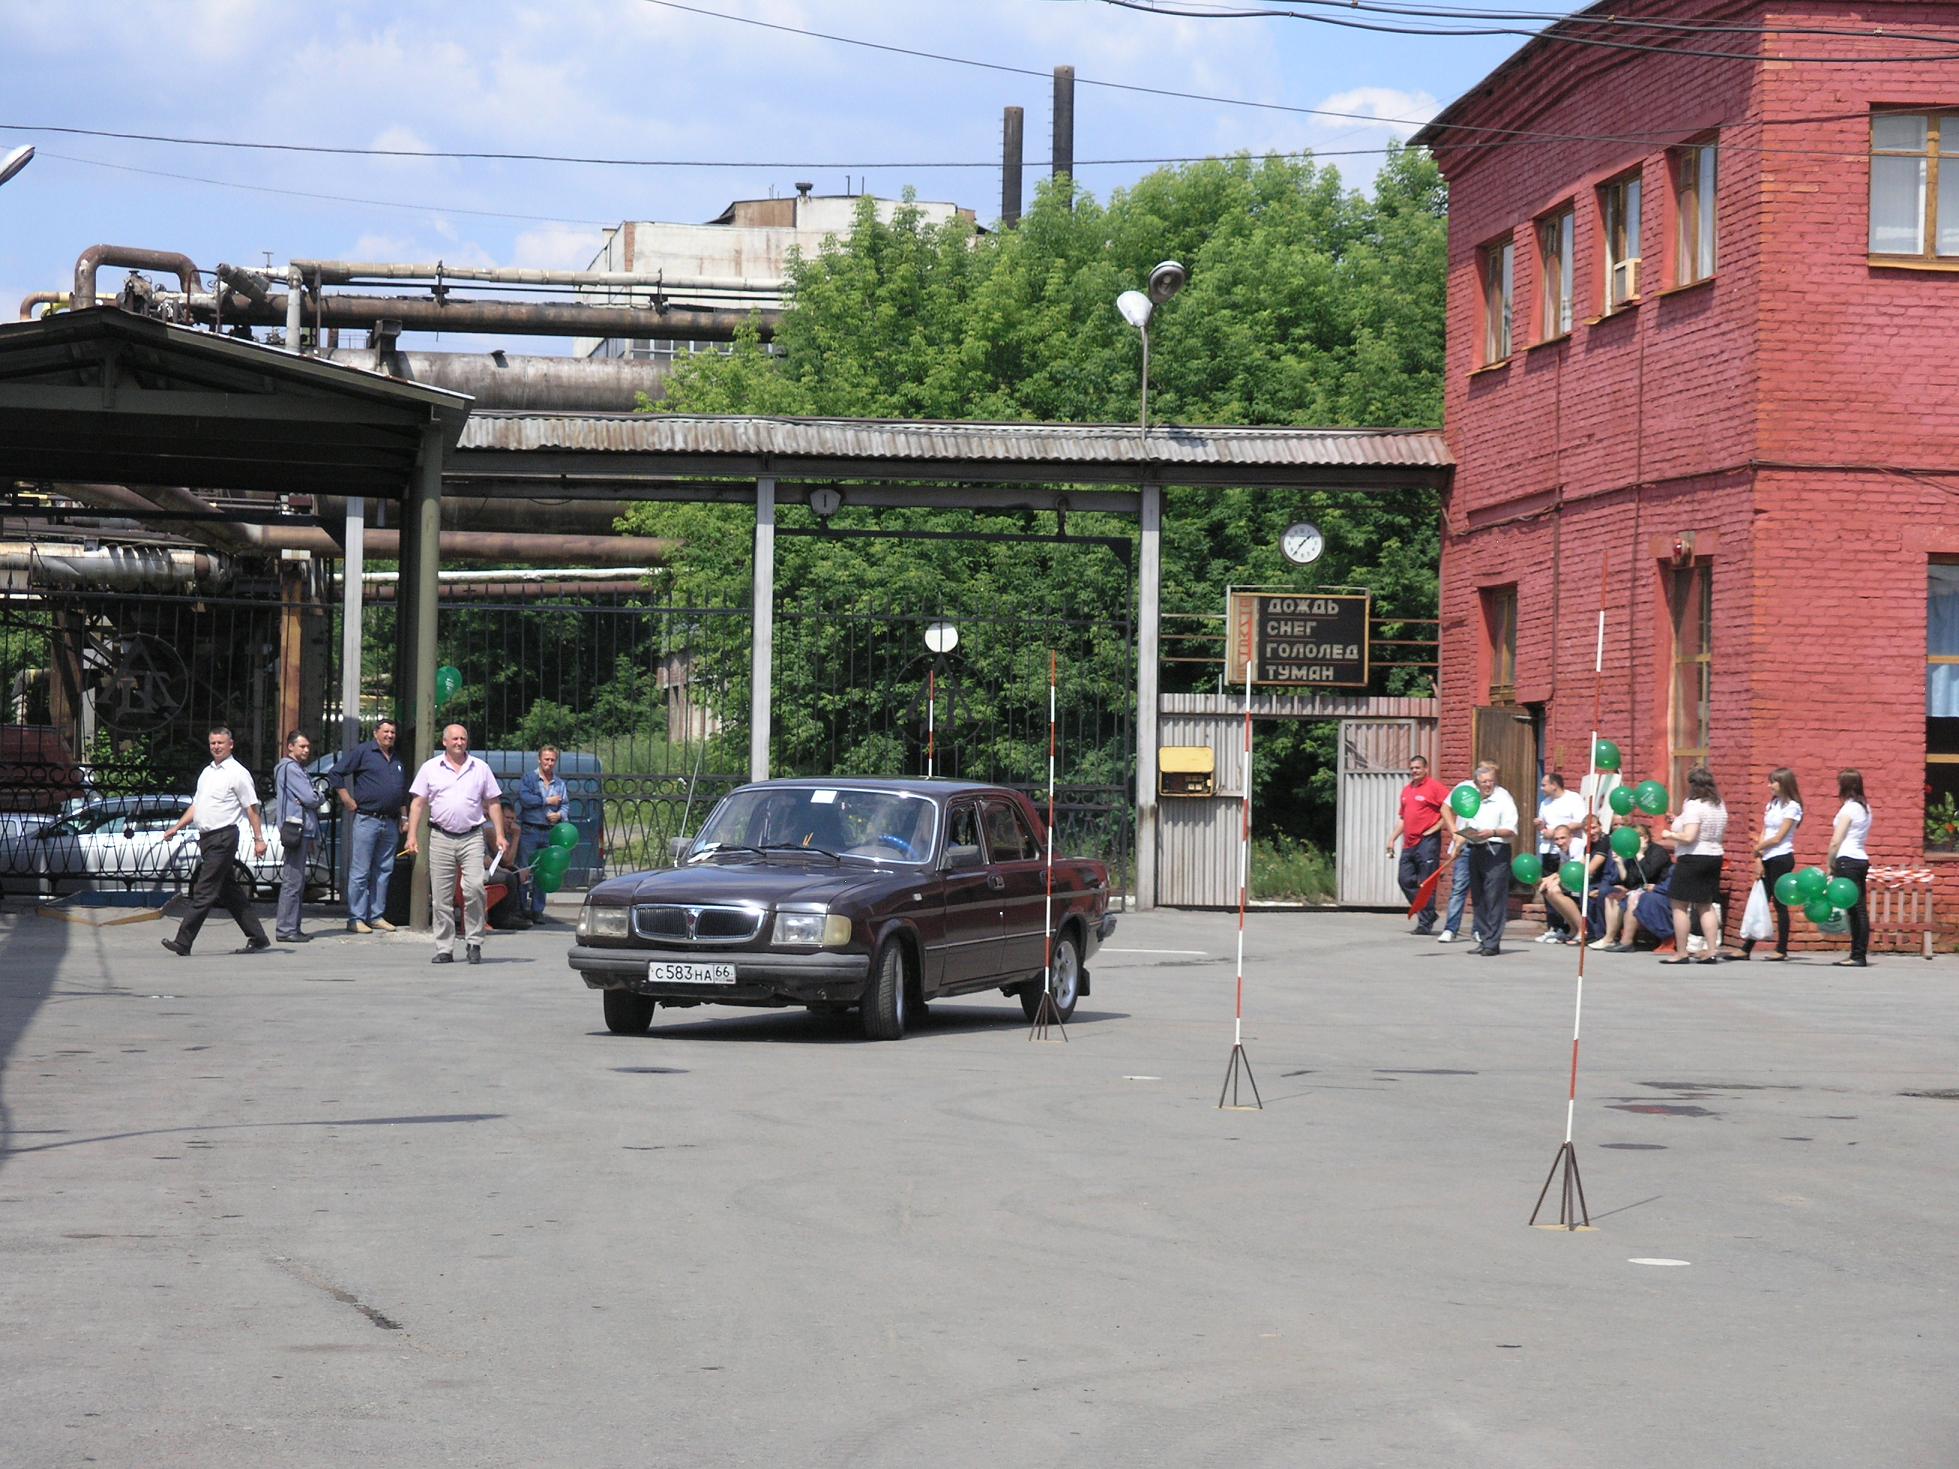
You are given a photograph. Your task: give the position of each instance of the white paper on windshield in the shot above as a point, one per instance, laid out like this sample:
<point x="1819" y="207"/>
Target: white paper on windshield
<point x="822" y="798"/>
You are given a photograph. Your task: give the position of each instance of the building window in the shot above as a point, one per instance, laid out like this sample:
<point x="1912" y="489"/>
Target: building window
<point x="1941" y="702"/>
<point x="1499" y="272"/>
<point x="1693" y="198"/>
<point x="1619" y="220"/>
<point x="1690" y="600"/>
<point x="1500" y="629"/>
<point x="1554" y="250"/>
<point x="1914" y="203"/>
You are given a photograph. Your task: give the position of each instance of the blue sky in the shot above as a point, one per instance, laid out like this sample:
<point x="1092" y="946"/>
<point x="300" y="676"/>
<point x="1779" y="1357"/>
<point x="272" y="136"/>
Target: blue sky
<point x="622" y="78"/>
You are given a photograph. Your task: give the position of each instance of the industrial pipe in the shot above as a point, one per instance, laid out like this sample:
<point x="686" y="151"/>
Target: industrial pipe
<point x="40" y="298"/>
<point x="528" y="318"/>
<point x="535" y="384"/>
<point x="97" y="256"/>
<point x="29" y="565"/>
<point x="342" y="272"/>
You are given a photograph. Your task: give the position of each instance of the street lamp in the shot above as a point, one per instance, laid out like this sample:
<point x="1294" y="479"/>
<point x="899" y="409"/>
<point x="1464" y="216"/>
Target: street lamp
<point x="1137" y="307"/>
<point x="15" y="161"/>
<point x="940" y="638"/>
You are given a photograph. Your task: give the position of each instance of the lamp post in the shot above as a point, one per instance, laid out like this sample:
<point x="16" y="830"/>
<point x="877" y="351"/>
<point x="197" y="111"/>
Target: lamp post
<point x="1138" y="307"/>
<point x="15" y="161"/>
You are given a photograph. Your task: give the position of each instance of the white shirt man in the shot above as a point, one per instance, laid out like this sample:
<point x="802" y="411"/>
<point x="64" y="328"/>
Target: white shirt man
<point x="1561" y="807"/>
<point x="225" y="793"/>
<point x="1489" y="835"/>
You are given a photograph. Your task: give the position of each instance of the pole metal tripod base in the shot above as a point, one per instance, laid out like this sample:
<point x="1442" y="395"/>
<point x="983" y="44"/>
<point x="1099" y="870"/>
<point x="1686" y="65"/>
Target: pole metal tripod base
<point x="1572" y="1189"/>
<point x="1240" y="1062"/>
<point x="1047" y="1017"/>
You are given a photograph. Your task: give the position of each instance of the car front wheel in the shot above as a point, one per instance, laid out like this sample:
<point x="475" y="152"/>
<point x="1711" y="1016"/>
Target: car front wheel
<point x="1065" y="978"/>
<point x="627" y="1013"/>
<point x="887" y="998"/>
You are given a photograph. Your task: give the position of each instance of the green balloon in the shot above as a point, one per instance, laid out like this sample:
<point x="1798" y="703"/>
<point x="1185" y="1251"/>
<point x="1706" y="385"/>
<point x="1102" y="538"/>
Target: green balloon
<point x="1819" y="910"/>
<point x="1842" y="892"/>
<point x="1837" y="922"/>
<point x="1812" y="883"/>
<point x="1606" y="757"/>
<point x="548" y="880"/>
<point x="552" y="859"/>
<point x="448" y="683"/>
<point x="1651" y="797"/>
<point x="1571" y="876"/>
<point x="1789" y="890"/>
<point x="1625" y="841"/>
<point x="1621" y="801"/>
<point x="564" y="834"/>
<point x="1466" y="801"/>
<point x="1527" y="869"/>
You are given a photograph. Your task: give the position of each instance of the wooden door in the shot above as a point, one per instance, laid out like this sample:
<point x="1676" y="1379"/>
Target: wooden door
<point x="1504" y="734"/>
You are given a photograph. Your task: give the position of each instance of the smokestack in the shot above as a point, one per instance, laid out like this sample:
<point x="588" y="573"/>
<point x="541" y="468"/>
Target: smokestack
<point x="1011" y="129"/>
<point x="1064" y="123"/>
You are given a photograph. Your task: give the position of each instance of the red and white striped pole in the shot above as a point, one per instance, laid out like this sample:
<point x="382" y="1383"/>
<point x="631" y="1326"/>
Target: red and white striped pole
<point x="931" y="717"/>
<point x="1244" y="861"/>
<point x="1047" y="923"/>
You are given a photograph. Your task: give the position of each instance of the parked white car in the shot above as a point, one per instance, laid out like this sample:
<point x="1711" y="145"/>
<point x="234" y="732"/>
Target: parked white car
<point x="120" y="842"/>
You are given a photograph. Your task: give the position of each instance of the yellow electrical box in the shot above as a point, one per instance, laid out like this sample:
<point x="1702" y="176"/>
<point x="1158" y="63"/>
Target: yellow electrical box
<point x="1186" y="770"/>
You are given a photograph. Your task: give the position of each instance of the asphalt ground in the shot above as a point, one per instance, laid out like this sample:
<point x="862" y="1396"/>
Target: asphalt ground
<point x="332" y="1204"/>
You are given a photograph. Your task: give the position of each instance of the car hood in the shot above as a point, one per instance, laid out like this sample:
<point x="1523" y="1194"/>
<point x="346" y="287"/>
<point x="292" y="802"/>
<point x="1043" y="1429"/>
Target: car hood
<point x="768" y="883"/>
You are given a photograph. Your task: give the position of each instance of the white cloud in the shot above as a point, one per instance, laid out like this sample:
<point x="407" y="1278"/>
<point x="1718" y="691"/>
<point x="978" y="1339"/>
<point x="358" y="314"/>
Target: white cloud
<point x="1401" y="113"/>
<point x="556" y="247"/>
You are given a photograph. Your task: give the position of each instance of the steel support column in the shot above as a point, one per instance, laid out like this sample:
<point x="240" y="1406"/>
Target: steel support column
<point x="353" y="563"/>
<point x="762" y="630"/>
<point x="1149" y="591"/>
<point x="421" y="564"/>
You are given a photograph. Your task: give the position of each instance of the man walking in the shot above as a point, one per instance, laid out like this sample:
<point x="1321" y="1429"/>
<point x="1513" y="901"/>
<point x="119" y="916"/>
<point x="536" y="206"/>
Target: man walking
<point x="296" y="810"/>
<point x="458" y="793"/>
<point x="1420" y="833"/>
<point x="373" y="784"/>
<point x="1489" y="834"/>
<point x="543" y="800"/>
<point x="225" y="794"/>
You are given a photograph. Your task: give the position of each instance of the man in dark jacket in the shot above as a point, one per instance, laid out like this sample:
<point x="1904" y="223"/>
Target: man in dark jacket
<point x="373" y="784"/>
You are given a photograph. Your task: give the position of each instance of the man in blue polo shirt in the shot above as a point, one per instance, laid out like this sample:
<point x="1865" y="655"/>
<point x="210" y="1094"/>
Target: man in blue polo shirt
<point x="543" y="801"/>
<point x="373" y="784"/>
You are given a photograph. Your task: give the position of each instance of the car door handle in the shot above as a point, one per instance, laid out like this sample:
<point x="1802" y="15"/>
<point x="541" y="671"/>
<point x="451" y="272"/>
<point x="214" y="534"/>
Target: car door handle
<point x="995" y="881"/>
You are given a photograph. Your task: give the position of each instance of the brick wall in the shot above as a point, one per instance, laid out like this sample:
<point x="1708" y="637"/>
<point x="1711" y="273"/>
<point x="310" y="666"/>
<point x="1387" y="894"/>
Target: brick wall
<point x="1763" y="414"/>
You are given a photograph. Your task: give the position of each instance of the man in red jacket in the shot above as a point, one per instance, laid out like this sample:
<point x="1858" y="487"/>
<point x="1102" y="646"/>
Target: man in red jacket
<point x="1420" y="833"/>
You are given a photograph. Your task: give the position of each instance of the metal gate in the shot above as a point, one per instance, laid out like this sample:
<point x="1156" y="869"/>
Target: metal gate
<point x="1374" y="756"/>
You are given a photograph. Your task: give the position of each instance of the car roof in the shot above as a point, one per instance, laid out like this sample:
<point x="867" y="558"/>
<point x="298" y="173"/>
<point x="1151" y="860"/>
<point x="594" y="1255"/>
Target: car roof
<point x="907" y="785"/>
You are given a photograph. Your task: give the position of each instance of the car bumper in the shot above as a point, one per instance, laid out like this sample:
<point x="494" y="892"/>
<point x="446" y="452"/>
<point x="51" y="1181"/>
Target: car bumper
<point x="761" y="978"/>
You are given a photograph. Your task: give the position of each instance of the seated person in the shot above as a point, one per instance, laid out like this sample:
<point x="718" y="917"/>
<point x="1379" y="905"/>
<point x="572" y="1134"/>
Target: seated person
<point x="1626" y="883"/>
<point x="1565" y="905"/>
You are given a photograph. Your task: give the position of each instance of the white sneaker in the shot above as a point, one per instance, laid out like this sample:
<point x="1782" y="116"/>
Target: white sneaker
<point x="1447" y="936"/>
<point x="1549" y="936"/>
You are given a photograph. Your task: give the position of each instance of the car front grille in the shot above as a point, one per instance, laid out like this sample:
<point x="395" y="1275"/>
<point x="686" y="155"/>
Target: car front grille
<point x="689" y="923"/>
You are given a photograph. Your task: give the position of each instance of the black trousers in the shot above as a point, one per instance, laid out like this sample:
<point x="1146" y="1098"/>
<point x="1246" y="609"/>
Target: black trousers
<point x="1489" y="880"/>
<point x="1418" y="860"/>
<point x="1772" y="868"/>
<point x="216" y="884"/>
<point x="1858" y="871"/>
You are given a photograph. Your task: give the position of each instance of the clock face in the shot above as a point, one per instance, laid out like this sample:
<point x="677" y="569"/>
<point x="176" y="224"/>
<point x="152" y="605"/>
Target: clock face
<point x="1302" y="542"/>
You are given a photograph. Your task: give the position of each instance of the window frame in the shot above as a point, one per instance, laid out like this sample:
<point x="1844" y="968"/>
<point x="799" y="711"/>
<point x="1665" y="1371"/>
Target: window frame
<point x="1557" y="239"/>
<point x="1690" y="658"/>
<point x="1695" y="169"/>
<point x="1619" y="196"/>
<point x="1928" y="253"/>
<point x="1496" y="265"/>
<point x="1500" y="643"/>
<point x="1941" y="732"/>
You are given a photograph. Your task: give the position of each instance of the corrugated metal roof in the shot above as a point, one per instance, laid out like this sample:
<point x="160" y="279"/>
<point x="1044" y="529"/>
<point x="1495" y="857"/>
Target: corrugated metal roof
<point x="702" y="436"/>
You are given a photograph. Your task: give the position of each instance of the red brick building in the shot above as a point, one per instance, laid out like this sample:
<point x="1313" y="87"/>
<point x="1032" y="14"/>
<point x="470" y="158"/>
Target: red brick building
<point x="1703" y="365"/>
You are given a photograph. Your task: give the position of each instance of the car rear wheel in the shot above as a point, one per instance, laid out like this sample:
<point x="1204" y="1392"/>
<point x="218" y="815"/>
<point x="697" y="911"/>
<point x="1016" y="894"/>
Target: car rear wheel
<point x="627" y="1013"/>
<point x="887" y="998"/>
<point x="1065" y="972"/>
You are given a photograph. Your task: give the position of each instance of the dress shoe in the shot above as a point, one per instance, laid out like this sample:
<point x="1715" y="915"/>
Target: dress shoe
<point x="475" y="953"/>
<point x="177" y="947"/>
<point x="356" y="926"/>
<point x="258" y="945"/>
<point x="382" y="925"/>
<point x="1489" y="953"/>
<point x="443" y="959"/>
<point x="295" y="938"/>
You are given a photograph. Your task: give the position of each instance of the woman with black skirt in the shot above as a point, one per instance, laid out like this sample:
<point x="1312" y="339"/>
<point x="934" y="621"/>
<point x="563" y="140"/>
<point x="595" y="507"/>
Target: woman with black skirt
<point x="1776" y="851"/>
<point x="1848" y="858"/>
<point x="1696" y="833"/>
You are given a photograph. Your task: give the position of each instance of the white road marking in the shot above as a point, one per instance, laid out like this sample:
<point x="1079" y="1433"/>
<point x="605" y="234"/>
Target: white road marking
<point x="1644" y="1260"/>
<point x="1142" y="1078"/>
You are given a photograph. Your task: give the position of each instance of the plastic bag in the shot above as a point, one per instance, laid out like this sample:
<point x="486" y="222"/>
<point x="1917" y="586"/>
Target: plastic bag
<point x="1758" y="922"/>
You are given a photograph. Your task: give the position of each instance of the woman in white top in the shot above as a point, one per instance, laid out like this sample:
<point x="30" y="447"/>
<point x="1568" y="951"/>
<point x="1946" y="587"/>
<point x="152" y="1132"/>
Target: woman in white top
<point x="1697" y="832"/>
<point x="1775" y="850"/>
<point x="1848" y="858"/>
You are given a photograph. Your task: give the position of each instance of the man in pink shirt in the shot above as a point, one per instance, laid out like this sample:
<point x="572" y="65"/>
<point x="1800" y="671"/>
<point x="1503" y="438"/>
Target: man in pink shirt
<point x="458" y="794"/>
<point x="1420" y="833"/>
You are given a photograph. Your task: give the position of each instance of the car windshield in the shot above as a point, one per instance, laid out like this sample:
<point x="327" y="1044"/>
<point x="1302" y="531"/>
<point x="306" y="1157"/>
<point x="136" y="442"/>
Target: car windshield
<point x="888" y="826"/>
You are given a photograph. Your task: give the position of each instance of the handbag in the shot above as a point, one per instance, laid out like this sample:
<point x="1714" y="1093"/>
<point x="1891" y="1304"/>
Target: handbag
<point x="1757" y="922"/>
<point x="292" y="831"/>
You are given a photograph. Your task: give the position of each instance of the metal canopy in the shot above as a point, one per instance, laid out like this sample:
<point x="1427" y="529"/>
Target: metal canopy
<point x="611" y="450"/>
<point x="106" y="396"/>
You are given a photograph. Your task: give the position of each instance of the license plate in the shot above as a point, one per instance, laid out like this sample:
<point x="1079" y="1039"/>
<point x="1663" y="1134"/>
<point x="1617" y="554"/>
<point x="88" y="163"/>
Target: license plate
<point x="659" y="973"/>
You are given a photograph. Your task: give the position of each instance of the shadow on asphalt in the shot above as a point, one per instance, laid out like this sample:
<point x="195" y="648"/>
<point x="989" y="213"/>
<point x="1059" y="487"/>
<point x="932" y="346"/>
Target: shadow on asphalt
<point x="805" y="1028"/>
<point x="31" y="950"/>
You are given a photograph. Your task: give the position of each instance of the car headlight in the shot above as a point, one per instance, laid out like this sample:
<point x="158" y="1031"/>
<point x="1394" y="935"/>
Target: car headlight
<point x="595" y="922"/>
<point x="811" y="930"/>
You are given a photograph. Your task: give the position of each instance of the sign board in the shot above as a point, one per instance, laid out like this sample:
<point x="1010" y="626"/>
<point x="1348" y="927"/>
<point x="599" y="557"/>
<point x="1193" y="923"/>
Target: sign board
<point x="1300" y="640"/>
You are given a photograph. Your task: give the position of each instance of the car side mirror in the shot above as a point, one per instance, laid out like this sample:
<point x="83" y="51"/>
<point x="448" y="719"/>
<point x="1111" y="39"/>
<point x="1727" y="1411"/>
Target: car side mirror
<point x="677" y="849"/>
<point x="959" y="859"/>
